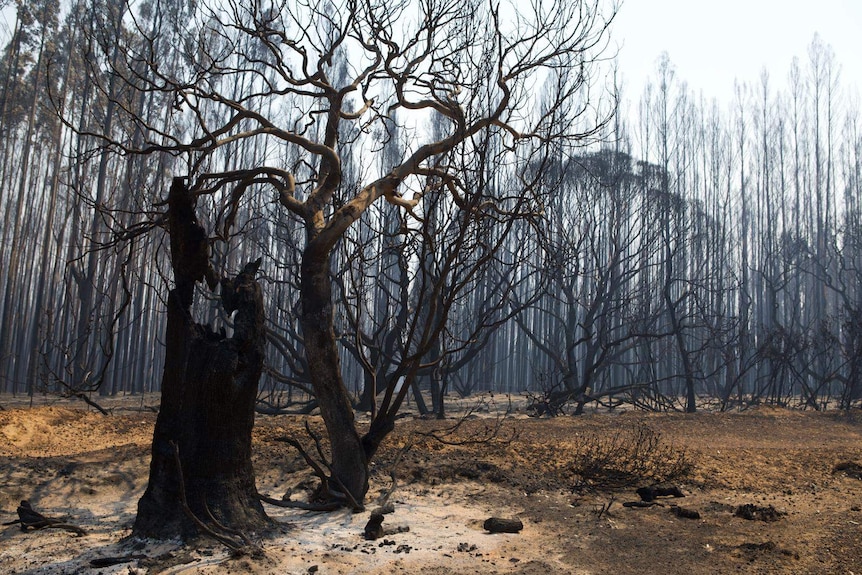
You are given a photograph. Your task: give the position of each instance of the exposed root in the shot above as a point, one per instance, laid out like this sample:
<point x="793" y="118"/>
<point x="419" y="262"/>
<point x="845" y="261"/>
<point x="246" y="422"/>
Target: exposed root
<point x="237" y="542"/>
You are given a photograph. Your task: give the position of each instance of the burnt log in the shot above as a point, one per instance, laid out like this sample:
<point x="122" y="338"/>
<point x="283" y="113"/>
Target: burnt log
<point x="652" y="492"/>
<point x="684" y="513"/>
<point x="501" y="525"/>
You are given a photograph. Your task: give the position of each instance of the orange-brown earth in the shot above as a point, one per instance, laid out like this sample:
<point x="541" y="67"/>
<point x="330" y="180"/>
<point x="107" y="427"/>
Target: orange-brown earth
<point x="90" y="468"/>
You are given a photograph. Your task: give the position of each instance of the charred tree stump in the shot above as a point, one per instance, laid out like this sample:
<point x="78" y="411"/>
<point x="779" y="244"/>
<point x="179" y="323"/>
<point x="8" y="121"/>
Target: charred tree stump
<point x="374" y="527"/>
<point x="209" y="385"/>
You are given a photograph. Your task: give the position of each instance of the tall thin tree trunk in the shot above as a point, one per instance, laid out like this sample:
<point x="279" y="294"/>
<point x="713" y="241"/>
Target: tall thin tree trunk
<point x="11" y="307"/>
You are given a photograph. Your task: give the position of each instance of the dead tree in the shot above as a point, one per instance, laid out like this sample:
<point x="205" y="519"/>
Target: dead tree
<point x="209" y="387"/>
<point x="299" y="120"/>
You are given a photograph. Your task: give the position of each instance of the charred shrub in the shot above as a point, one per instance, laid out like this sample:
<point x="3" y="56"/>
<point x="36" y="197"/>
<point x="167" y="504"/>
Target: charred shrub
<point x="629" y="456"/>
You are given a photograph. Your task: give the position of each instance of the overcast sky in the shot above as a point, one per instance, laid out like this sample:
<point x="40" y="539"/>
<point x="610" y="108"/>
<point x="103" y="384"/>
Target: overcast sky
<point x="712" y="42"/>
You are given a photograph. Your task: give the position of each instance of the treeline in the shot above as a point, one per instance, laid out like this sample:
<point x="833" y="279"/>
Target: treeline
<point x="702" y="254"/>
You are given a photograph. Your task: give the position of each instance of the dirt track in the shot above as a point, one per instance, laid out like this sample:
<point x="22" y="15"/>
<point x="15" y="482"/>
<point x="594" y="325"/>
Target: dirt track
<point x="92" y="468"/>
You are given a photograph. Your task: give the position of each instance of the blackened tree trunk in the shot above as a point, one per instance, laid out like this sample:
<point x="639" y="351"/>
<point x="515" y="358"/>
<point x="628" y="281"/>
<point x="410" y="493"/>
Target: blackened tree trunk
<point x="209" y="387"/>
<point x="349" y="460"/>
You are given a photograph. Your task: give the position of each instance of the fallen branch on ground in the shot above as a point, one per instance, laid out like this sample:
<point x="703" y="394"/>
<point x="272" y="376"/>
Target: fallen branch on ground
<point x="342" y="497"/>
<point x="642" y="504"/>
<point x="32" y="520"/>
<point x="100" y="562"/>
<point x="653" y="491"/>
<point x="323" y="507"/>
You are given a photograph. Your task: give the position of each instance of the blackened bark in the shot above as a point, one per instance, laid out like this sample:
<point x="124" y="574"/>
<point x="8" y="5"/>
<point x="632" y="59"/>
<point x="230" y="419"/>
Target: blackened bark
<point x="209" y="386"/>
<point x="370" y="385"/>
<point x="380" y="427"/>
<point x="349" y="462"/>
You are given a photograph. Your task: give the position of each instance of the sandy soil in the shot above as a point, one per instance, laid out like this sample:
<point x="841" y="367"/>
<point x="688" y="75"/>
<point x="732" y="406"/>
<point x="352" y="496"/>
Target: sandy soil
<point x="92" y="469"/>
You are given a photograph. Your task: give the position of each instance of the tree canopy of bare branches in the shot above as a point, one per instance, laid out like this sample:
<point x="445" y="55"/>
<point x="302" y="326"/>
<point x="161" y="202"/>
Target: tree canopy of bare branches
<point x="286" y="99"/>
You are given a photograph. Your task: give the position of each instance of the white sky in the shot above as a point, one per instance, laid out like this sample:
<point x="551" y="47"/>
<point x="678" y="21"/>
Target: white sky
<point x="713" y="42"/>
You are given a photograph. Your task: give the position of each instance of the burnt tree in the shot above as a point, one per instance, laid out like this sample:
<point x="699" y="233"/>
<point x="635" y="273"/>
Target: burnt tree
<point x="209" y="387"/>
<point x="282" y="98"/>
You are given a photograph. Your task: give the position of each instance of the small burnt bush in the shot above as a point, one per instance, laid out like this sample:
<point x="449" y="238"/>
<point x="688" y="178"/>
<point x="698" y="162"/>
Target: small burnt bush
<point x="757" y="513"/>
<point x="628" y="457"/>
